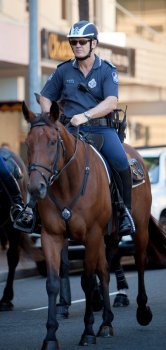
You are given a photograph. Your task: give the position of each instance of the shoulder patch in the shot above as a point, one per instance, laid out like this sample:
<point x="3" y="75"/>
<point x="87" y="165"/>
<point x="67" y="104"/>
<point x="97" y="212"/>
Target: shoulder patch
<point x="115" y="77"/>
<point x="110" y="64"/>
<point x="61" y="64"/>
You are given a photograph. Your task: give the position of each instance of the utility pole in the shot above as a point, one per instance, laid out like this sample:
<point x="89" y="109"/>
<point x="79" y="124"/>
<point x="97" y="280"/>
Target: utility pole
<point x="83" y="9"/>
<point x="34" y="58"/>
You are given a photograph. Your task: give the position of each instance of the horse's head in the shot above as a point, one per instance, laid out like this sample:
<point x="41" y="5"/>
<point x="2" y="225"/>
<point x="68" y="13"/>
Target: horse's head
<point x="43" y="142"/>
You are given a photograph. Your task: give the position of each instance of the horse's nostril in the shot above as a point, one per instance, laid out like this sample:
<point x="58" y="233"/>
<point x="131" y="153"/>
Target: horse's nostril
<point x="42" y="190"/>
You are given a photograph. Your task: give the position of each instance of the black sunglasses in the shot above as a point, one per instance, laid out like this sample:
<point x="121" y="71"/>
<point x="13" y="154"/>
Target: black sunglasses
<point x="81" y="42"/>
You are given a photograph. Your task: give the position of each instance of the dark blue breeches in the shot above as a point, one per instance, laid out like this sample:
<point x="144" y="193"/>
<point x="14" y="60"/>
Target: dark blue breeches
<point x="112" y="148"/>
<point x="4" y="171"/>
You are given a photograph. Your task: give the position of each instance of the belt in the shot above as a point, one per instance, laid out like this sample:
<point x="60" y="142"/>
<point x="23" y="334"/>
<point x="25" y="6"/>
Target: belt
<point x="96" y="122"/>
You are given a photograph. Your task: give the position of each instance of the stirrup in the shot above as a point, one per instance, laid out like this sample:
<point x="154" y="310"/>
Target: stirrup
<point x="129" y="228"/>
<point x="21" y="223"/>
<point x="15" y="210"/>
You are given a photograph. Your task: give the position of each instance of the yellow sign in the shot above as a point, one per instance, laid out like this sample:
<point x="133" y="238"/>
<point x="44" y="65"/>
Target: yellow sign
<point x="57" y="49"/>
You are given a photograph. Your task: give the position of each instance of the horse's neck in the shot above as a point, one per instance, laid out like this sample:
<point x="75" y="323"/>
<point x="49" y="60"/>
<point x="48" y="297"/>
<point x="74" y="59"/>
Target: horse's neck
<point x="73" y="162"/>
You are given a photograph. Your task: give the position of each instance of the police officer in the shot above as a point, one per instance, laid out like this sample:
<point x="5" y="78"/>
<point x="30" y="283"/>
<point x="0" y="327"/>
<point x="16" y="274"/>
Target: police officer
<point x="87" y="87"/>
<point x="19" y="215"/>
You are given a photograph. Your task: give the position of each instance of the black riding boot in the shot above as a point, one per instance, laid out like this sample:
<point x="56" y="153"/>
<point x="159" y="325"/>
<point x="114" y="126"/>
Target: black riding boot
<point x="22" y="217"/>
<point x="65" y="297"/>
<point x="126" y="223"/>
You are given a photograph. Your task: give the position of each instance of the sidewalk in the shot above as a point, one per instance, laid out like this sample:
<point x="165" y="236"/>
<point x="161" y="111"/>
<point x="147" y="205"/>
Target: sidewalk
<point x="25" y="268"/>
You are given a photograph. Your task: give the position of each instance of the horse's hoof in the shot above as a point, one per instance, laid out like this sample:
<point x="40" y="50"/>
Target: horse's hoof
<point x="87" y="340"/>
<point x="105" y="331"/>
<point x="121" y="300"/>
<point x="6" y="306"/>
<point x="50" y="345"/>
<point x="144" y="315"/>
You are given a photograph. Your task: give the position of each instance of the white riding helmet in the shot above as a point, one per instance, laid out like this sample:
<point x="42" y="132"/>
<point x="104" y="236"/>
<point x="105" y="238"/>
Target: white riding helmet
<point x="83" y="29"/>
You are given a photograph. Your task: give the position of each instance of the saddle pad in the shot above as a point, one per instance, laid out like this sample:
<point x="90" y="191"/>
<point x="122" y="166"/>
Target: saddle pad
<point x="137" y="172"/>
<point x="106" y="165"/>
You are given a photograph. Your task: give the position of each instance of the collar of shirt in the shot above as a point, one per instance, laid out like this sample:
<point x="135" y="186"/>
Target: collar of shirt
<point x="97" y="63"/>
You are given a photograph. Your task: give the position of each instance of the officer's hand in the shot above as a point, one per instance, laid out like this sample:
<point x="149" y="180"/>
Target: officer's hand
<point x="78" y="119"/>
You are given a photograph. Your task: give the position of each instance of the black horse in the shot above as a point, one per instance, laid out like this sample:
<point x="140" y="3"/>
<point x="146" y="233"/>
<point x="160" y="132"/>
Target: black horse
<point x="12" y="239"/>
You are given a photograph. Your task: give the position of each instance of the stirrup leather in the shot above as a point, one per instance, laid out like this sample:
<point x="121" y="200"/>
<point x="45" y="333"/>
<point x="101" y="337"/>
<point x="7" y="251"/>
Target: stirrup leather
<point x="131" y="219"/>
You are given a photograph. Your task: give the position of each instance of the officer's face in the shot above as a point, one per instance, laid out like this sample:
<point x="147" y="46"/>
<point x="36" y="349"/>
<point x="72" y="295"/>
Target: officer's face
<point x="81" y="46"/>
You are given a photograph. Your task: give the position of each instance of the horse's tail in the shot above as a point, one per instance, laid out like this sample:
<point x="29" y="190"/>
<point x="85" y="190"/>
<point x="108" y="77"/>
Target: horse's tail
<point x="156" y="250"/>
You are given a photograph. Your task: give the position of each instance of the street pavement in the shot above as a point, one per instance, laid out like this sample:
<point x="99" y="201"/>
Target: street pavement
<point x="28" y="268"/>
<point x="25" y="268"/>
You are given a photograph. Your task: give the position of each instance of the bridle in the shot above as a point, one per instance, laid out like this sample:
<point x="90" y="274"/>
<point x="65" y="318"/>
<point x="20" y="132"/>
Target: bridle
<point x="55" y="173"/>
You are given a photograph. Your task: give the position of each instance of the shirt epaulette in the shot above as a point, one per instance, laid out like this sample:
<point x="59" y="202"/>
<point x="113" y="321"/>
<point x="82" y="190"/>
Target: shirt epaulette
<point x="110" y="64"/>
<point x="60" y="64"/>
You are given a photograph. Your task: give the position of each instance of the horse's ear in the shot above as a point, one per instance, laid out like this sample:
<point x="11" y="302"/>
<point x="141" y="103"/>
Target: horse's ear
<point x="54" y="111"/>
<point x="28" y="115"/>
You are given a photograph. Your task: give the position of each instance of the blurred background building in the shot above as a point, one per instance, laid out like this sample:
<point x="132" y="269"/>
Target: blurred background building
<point x="132" y="36"/>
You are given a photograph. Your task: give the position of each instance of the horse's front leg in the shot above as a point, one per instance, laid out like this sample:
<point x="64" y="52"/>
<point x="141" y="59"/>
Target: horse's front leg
<point x="95" y="259"/>
<point x="106" y="329"/>
<point x="144" y="314"/>
<point x="102" y="269"/>
<point x="88" y="284"/>
<point x="52" y="249"/>
<point x="13" y="255"/>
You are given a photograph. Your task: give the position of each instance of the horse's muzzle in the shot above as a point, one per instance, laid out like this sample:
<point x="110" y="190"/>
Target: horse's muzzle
<point x="39" y="191"/>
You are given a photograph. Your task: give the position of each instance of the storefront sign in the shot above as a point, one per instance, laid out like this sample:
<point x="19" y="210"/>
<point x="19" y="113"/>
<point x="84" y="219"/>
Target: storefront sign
<point x="55" y="47"/>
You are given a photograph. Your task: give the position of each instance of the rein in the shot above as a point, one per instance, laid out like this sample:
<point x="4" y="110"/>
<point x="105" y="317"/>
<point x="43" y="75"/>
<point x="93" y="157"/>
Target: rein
<point x="66" y="212"/>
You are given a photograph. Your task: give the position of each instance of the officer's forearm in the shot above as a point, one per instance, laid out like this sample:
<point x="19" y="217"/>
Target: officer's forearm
<point x="45" y="104"/>
<point x="104" y="107"/>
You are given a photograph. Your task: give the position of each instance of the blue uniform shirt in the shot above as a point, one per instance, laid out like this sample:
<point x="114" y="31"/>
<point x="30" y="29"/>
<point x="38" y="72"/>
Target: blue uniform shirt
<point x="62" y="85"/>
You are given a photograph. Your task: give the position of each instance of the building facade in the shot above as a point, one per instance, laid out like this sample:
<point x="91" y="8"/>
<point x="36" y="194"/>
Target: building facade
<point x="132" y="36"/>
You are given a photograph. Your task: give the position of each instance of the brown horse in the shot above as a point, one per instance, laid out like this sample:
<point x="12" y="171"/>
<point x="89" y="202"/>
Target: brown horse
<point x="13" y="241"/>
<point x="69" y="181"/>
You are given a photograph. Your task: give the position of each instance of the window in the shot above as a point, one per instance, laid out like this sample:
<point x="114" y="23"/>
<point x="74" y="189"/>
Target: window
<point x="152" y="164"/>
<point x="64" y="9"/>
<point x="27" y="5"/>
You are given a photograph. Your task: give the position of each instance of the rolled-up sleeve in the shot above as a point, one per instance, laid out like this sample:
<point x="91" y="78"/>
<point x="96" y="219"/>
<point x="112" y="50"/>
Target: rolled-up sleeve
<point x="53" y="86"/>
<point x="110" y="83"/>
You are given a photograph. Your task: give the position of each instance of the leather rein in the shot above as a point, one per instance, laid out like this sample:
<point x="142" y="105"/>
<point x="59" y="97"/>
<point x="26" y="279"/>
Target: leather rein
<point x="55" y="173"/>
